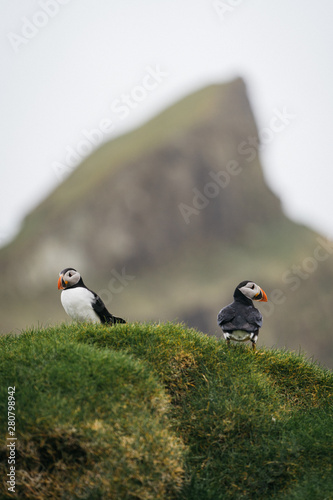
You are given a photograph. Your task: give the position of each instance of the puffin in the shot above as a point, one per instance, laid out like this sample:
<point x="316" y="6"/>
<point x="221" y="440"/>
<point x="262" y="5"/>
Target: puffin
<point x="81" y="303"/>
<point x="240" y="320"/>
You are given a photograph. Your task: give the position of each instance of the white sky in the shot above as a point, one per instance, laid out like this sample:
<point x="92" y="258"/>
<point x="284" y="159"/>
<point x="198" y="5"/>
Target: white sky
<point x="66" y="62"/>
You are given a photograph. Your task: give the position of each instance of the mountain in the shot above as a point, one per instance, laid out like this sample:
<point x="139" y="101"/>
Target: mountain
<point x="165" y="221"/>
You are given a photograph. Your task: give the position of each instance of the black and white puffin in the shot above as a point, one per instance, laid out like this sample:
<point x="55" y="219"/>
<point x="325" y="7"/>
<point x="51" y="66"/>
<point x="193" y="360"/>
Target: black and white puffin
<point x="80" y="303"/>
<point x="240" y="321"/>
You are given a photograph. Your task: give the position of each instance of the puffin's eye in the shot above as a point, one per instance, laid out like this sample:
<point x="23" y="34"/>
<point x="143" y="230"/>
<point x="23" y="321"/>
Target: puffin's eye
<point x="252" y="287"/>
<point x="70" y="275"/>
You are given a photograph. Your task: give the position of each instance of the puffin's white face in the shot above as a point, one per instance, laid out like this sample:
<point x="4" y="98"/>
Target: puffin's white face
<point x="253" y="291"/>
<point x="68" y="277"/>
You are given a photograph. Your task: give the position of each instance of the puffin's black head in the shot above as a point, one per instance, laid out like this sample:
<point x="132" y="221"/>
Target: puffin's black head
<point x="249" y="290"/>
<point x="68" y="277"/>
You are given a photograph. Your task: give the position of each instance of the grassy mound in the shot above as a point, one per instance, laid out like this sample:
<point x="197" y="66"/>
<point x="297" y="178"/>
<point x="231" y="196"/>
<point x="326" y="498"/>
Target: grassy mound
<point x="138" y="404"/>
<point x="90" y="423"/>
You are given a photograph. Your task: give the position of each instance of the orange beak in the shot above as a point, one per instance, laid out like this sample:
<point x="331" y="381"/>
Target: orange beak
<point x="264" y="296"/>
<point x="60" y="287"/>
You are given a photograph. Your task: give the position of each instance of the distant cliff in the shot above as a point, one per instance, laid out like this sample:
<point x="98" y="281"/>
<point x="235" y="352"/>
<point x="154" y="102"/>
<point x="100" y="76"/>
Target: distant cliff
<point x="165" y="221"/>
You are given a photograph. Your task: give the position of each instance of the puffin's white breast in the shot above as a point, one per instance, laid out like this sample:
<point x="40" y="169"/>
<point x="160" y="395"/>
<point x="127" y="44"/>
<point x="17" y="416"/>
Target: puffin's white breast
<point x="77" y="304"/>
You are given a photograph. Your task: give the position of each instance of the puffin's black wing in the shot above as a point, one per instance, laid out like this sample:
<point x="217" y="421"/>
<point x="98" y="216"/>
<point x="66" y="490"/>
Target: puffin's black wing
<point x="226" y="315"/>
<point x="102" y="312"/>
<point x="254" y="317"/>
<point x="116" y="319"/>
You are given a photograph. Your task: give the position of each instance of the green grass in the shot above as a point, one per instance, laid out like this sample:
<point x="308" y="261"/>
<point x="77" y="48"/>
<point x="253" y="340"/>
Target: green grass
<point x="149" y="411"/>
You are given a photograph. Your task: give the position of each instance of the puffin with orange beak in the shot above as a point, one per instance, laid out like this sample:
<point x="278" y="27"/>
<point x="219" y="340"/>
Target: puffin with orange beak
<point x="240" y="321"/>
<point x="80" y="303"/>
